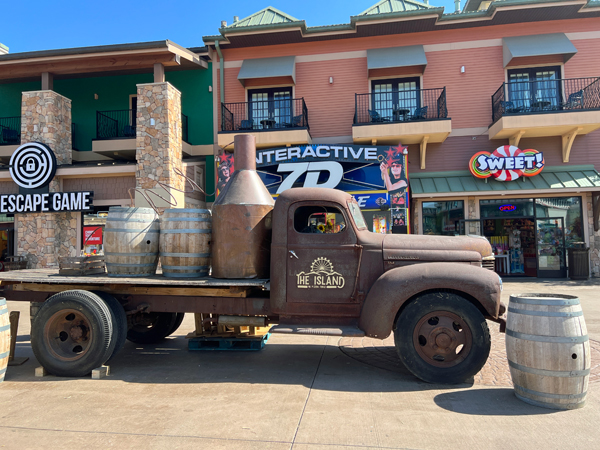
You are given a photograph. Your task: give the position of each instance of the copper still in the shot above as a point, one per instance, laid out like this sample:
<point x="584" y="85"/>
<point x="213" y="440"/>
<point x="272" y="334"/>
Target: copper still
<point x="242" y="219"/>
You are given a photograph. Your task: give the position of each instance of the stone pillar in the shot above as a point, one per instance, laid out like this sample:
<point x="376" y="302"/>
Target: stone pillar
<point x="594" y="237"/>
<point x="159" y="143"/>
<point x="44" y="237"/>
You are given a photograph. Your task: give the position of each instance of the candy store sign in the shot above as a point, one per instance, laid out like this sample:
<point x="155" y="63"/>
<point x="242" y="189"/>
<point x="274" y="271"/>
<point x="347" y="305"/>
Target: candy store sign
<point x="507" y="163"/>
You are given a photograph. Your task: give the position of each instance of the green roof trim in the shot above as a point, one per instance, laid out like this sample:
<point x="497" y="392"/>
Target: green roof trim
<point x="393" y="6"/>
<point x="266" y="16"/>
<point x="460" y="182"/>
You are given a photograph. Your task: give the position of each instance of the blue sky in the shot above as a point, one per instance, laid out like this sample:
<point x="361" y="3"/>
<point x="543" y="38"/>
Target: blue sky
<point x="30" y="25"/>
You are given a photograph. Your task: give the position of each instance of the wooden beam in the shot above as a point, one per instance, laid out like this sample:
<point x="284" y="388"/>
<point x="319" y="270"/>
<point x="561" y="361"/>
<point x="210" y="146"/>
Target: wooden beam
<point x="47" y="81"/>
<point x="424" y="151"/>
<point x="596" y="210"/>
<point x="567" y="143"/>
<point x="516" y="138"/>
<point x="159" y="73"/>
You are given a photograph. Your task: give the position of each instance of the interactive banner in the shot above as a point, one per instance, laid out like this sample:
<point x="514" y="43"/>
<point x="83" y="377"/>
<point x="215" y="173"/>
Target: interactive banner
<point x="363" y="170"/>
<point x="507" y="163"/>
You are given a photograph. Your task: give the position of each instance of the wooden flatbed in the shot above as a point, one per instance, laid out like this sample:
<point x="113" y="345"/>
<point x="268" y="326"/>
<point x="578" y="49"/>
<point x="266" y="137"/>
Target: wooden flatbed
<point x="48" y="280"/>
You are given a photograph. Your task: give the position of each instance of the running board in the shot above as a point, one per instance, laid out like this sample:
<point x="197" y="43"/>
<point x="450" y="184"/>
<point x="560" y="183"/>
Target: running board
<point x="317" y="330"/>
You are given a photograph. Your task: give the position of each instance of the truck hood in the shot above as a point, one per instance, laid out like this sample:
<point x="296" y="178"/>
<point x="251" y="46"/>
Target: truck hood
<point x="435" y="248"/>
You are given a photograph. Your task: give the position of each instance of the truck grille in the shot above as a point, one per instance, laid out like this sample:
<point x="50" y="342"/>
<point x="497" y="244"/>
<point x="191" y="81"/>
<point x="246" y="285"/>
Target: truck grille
<point x="489" y="263"/>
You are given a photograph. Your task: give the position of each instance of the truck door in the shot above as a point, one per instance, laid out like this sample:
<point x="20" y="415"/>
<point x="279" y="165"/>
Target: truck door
<point x="323" y="256"/>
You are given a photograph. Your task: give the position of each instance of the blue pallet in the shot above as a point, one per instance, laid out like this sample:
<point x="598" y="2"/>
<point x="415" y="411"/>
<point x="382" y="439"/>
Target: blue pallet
<point x="227" y="343"/>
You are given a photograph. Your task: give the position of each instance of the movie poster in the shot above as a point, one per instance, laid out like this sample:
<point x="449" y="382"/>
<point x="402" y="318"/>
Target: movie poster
<point x="225" y="169"/>
<point x="394" y="173"/>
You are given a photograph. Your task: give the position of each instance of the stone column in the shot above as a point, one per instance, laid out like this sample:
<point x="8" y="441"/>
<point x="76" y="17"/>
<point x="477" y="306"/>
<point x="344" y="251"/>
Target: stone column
<point x="159" y="143"/>
<point x="44" y="237"/>
<point x="594" y="237"/>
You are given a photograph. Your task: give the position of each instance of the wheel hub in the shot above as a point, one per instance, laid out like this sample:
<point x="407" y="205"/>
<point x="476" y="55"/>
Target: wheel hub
<point x="442" y="339"/>
<point x="68" y="335"/>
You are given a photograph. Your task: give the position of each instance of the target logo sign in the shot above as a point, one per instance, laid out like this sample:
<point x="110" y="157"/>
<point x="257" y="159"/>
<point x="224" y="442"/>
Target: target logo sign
<point x="33" y="165"/>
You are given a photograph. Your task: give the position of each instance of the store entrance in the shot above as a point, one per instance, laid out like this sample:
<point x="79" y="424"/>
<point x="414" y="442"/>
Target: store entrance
<point x="513" y="244"/>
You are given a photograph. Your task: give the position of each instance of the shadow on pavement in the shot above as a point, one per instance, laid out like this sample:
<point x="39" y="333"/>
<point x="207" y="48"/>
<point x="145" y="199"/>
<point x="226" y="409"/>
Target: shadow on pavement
<point x="488" y="402"/>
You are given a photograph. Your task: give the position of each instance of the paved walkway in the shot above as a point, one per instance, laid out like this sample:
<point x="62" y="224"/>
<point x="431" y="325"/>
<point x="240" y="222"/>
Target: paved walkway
<point x="305" y="393"/>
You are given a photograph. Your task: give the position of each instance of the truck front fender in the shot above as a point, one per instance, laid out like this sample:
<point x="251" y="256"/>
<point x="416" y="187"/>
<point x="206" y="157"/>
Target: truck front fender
<point x="397" y="286"/>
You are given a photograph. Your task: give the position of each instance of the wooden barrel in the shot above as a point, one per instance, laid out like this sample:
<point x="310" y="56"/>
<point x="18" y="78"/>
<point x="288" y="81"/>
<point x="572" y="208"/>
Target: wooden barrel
<point x="548" y="350"/>
<point x="185" y="236"/>
<point x="131" y="238"/>
<point x="4" y="338"/>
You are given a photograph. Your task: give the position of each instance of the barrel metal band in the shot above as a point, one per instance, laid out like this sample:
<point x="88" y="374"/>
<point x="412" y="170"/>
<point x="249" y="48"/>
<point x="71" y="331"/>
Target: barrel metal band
<point x="186" y="255"/>
<point x="129" y="275"/>
<point x="188" y="210"/>
<point x="2" y="301"/>
<point x="130" y="265"/>
<point x="130" y="230"/>
<point x="548" y="395"/>
<point x="125" y="219"/>
<point x="186" y="275"/>
<point x="550" y="373"/>
<point x="4" y="355"/>
<point x="5" y="328"/>
<point x="187" y="219"/>
<point x="549" y="339"/>
<point x="4" y="311"/>
<point x="528" y="312"/>
<point x="129" y="254"/>
<point x="531" y="301"/>
<point x="2" y="372"/>
<point x="188" y="268"/>
<point x="193" y="230"/>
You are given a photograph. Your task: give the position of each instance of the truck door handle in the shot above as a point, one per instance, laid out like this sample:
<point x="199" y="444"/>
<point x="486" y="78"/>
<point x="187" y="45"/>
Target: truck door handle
<point x="293" y="253"/>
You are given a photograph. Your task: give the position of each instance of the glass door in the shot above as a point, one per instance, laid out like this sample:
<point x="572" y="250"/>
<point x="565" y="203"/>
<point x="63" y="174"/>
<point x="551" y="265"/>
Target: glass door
<point x="550" y="239"/>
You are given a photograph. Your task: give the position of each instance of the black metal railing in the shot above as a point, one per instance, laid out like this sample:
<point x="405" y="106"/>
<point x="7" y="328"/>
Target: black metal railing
<point x="264" y="115"/>
<point x="546" y="95"/>
<point x="73" y="136"/>
<point x="184" y="128"/>
<point x="400" y="106"/>
<point x="116" y="124"/>
<point x="10" y="130"/>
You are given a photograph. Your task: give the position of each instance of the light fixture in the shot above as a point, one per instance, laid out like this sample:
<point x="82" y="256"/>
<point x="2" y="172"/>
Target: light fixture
<point x="330" y="80"/>
<point x="95" y="96"/>
<point x="462" y="69"/>
<point x="210" y="89"/>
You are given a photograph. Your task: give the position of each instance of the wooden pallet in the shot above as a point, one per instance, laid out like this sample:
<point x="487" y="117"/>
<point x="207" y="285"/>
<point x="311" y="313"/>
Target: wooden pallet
<point x="81" y="265"/>
<point x="228" y="343"/>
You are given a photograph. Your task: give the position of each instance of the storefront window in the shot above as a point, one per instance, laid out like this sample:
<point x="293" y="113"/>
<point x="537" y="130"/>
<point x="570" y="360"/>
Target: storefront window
<point x="567" y="208"/>
<point x="443" y="217"/>
<point x="506" y="207"/>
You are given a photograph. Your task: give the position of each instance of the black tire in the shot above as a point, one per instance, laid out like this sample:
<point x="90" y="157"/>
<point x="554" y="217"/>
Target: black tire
<point x="442" y="338"/>
<point x="119" y="320"/>
<point x="72" y="333"/>
<point x="152" y="327"/>
<point x="177" y="324"/>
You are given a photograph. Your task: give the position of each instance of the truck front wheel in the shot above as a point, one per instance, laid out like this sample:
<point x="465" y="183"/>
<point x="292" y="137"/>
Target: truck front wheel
<point x="442" y="338"/>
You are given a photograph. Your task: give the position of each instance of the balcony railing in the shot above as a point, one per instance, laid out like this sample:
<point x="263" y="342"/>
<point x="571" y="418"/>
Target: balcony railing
<point x="115" y="124"/>
<point x="10" y="130"/>
<point x="400" y="106"/>
<point x="184" y="128"/>
<point x="546" y="96"/>
<point x="265" y="115"/>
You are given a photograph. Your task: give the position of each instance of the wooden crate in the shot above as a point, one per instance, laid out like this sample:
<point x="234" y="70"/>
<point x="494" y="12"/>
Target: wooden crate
<point x="15" y="263"/>
<point x="81" y="265"/>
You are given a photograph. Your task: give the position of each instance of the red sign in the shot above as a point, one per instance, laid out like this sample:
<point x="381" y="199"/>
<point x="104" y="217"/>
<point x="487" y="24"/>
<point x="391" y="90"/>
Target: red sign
<point x="92" y="235"/>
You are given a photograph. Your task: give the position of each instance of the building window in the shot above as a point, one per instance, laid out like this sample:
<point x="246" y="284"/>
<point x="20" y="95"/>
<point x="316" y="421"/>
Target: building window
<point x="395" y="99"/>
<point x="569" y="208"/>
<point x="535" y="88"/>
<point x="443" y="218"/>
<point x="508" y="207"/>
<point x="270" y="108"/>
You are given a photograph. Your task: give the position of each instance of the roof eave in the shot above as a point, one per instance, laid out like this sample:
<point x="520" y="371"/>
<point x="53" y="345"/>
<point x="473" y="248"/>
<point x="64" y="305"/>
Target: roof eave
<point x="395" y="15"/>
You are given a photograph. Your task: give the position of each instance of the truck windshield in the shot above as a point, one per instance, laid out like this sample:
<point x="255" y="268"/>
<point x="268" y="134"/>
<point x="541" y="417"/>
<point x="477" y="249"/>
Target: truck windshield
<point x="357" y="216"/>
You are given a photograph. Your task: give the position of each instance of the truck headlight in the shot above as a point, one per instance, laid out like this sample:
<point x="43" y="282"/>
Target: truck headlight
<point x="500" y="280"/>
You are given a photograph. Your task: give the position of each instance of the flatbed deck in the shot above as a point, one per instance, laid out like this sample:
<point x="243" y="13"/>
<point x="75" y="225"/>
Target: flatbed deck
<point x="48" y="280"/>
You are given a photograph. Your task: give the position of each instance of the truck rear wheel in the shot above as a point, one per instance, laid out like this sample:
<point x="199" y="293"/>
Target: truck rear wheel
<point x="442" y="338"/>
<point x="72" y="333"/>
<point x="153" y="327"/>
<point x="119" y="320"/>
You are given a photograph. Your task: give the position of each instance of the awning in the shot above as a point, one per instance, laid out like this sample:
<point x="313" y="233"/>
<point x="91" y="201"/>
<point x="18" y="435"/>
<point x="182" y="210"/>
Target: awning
<point x="284" y="66"/>
<point x="537" y="45"/>
<point x="552" y="180"/>
<point x="386" y="58"/>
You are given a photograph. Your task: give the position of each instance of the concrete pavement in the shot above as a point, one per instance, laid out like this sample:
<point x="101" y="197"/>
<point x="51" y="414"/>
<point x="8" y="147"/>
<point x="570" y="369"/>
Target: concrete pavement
<point x="310" y="392"/>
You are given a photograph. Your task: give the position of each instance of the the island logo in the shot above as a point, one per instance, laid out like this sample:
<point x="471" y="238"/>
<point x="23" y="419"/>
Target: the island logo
<point x="321" y="276"/>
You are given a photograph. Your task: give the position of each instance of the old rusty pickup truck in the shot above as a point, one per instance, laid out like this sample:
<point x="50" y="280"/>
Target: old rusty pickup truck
<point x="434" y="293"/>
